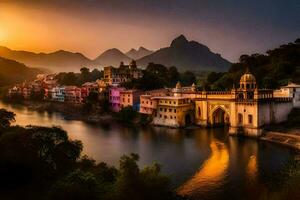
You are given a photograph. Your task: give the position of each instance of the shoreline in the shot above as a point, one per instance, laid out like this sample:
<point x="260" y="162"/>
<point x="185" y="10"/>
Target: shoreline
<point x="74" y="112"/>
<point x="284" y="139"/>
<point x="67" y="110"/>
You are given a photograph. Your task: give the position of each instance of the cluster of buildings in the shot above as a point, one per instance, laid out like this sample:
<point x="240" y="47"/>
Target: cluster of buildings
<point x="47" y="86"/>
<point x="113" y="77"/>
<point x="245" y="108"/>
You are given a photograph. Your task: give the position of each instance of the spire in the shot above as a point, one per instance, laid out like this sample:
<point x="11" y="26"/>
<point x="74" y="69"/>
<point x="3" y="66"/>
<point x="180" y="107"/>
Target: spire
<point x="178" y="85"/>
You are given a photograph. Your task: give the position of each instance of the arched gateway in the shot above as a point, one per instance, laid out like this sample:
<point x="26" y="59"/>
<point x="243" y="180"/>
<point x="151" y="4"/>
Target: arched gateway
<point x="219" y="117"/>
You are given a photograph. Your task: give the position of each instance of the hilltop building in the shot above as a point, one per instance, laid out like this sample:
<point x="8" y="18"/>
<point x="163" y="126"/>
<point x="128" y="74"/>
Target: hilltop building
<point x="115" y="76"/>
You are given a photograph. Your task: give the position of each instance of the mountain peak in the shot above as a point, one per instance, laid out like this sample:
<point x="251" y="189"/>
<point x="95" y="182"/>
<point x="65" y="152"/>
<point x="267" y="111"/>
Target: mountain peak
<point x="179" y="41"/>
<point x="137" y="54"/>
<point x="142" y="49"/>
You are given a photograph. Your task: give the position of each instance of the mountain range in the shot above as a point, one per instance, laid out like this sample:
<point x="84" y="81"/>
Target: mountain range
<point x="184" y="54"/>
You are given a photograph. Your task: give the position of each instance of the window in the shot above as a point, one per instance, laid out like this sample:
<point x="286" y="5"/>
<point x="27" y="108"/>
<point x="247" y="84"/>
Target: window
<point x="170" y="110"/>
<point x="199" y="111"/>
<point x="165" y="110"/>
<point x="166" y="117"/>
<point x="160" y="116"/>
<point x="161" y="109"/>
<point x="171" y="117"/>
<point x="174" y="110"/>
<point x="240" y="118"/>
<point x="250" y="119"/>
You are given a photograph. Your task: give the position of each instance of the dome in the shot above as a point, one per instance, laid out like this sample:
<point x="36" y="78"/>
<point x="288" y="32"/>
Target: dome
<point x="248" y="77"/>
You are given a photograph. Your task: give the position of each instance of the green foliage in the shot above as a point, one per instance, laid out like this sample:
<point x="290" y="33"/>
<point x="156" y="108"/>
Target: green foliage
<point x="187" y="78"/>
<point x="78" y="79"/>
<point x="127" y="115"/>
<point x="272" y="70"/>
<point x="47" y="164"/>
<point x="158" y="76"/>
<point x="76" y="185"/>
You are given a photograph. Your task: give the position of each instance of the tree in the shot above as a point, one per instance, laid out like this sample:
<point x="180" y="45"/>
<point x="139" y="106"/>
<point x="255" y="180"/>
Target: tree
<point x="173" y="76"/>
<point x="128" y="180"/>
<point x="188" y="78"/>
<point x="6" y="118"/>
<point x="77" y="185"/>
<point x="39" y="153"/>
<point x="127" y="114"/>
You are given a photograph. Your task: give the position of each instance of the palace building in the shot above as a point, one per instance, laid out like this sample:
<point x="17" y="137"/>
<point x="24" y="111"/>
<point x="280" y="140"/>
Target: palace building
<point x="245" y="109"/>
<point x="115" y="76"/>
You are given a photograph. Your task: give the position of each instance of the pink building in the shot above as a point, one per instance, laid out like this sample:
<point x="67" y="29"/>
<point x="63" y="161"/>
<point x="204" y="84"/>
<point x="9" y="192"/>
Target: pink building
<point x="114" y="94"/>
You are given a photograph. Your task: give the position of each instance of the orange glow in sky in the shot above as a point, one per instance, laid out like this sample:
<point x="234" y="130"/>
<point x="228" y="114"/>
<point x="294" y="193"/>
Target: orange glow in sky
<point x="91" y="27"/>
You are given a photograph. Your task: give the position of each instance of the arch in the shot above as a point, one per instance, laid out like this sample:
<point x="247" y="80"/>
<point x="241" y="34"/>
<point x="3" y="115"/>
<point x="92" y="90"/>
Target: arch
<point x="220" y="117"/>
<point x="188" y="119"/>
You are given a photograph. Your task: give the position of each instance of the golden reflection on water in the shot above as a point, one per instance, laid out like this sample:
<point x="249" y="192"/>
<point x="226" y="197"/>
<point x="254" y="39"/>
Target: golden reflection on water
<point x="251" y="170"/>
<point x="211" y="173"/>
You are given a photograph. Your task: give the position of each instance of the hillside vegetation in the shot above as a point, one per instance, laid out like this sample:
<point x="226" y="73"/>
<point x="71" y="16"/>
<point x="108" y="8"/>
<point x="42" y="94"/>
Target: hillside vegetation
<point x="275" y="68"/>
<point x="12" y="72"/>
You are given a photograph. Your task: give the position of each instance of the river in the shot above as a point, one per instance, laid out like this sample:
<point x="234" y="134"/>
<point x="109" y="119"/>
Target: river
<point x="202" y="163"/>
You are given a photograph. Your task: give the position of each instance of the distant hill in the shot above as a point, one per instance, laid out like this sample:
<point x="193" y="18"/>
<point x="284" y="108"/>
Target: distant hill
<point x="112" y="57"/>
<point x="12" y="72"/>
<point x="140" y="53"/>
<point x="57" y="61"/>
<point x="187" y="55"/>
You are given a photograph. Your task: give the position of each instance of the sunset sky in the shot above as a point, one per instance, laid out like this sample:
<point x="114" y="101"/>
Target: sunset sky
<point x="228" y="27"/>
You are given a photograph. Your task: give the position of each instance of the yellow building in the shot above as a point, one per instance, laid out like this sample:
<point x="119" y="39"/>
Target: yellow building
<point x="246" y="109"/>
<point x="173" y="111"/>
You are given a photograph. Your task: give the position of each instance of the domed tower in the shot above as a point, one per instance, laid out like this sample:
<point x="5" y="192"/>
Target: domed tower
<point x="247" y="86"/>
<point x="178" y="90"/>
<point x="132" y="65"/>
<point x="194" y="88"/>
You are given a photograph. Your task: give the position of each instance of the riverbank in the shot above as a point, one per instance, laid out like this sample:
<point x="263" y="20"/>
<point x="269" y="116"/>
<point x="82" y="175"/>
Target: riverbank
<point x="285" y="139"/>
<point x="69" y="111"/>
